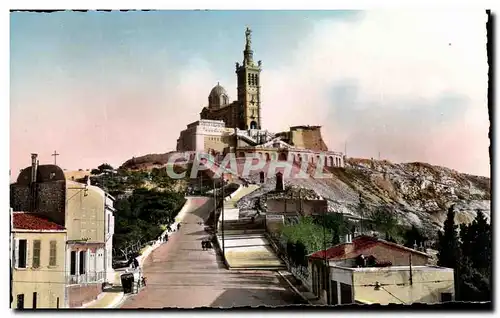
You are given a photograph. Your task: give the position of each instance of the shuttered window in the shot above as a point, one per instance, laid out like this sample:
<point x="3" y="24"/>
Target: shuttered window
<point x="72" y="269"/>
<point x="21" y="253"/>
<point x="83" y="255"/>
<point x="37" y="244"/>
<point x="53" y="253"/>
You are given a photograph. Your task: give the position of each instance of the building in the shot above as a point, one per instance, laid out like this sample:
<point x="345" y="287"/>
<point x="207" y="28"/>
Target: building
<point x="109" y="231"/>
<point x="236" y="126"/>
<point x="38" y="261"/>
<point x="87" y="214"/>
<point x="368" y="257"/>
<point x="90" y="225"/>
<point x="392" y="284"/>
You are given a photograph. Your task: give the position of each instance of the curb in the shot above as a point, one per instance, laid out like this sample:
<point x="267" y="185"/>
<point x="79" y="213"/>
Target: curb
<point x="295" y="289"/>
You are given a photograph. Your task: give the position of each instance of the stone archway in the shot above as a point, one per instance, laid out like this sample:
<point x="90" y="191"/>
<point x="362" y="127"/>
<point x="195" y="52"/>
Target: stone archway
<point x="253" y="124"/>
<point x="331" y="162"/>
<point x="241" y="154"/>
<point x="282" y="156"/>
<point x="267" y="157"/>
<point x="261" y="155"/>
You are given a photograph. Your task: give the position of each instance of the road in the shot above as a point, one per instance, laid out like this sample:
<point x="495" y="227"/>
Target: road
<point x="181" y="275"/>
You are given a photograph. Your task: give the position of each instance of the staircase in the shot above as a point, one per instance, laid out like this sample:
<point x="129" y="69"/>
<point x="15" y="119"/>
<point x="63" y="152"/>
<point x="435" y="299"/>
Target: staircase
<point x="245" y="242"/>
<point x="250" y="249"/>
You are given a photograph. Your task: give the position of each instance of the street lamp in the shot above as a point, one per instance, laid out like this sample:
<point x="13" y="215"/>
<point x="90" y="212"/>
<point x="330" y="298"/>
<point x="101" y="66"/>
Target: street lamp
<point x="215" y="207"/>
<point x="222" y="224"/>
<point x="327" y="269"/>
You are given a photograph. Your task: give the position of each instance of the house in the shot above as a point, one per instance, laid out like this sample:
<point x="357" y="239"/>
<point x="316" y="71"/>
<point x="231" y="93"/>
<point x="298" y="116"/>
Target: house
<point x="90" y="224"/>
<point x="391" y="284"/>
<point x="87" y="214"/>
<point x="357" y="256"/>
<point x="109" y="231"/>
<point x="37" y="262"/>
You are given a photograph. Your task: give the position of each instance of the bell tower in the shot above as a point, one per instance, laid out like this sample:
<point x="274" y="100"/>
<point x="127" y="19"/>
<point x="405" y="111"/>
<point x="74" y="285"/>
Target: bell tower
<point x="248" y="75"/>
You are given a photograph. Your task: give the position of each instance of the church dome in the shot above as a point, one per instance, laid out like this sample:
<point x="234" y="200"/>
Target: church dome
<point x="218" y="97"/>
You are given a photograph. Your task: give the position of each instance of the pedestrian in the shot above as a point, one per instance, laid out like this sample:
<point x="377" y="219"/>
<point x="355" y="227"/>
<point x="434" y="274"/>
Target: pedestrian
<point x="136" y="263"/>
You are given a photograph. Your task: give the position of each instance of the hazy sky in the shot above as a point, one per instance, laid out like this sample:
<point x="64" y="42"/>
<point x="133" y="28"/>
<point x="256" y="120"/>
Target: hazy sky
<point x="103" y="87"/>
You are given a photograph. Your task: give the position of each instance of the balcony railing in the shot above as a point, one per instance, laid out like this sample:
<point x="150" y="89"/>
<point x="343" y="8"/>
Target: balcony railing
<point x="90" y="277"/>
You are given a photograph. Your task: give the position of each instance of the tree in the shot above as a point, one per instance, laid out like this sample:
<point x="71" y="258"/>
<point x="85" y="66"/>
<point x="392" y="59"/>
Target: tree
<point x="389" y="238"/>
<point x="335" y="236"/>
<point x="413" y="236"/>
<point x="307" y="233"/>
<point x="474" y="268"/>
<point x="481" y="237"/>
<point x="448" y="244"/>
<point x="105" y="166"/>
<point x="471" y="284"/>
<point x="385" y="221"/>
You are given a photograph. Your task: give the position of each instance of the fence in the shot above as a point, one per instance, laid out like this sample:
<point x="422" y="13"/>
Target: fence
<point x="300" y="272"/>
<point x="89" y="277"/>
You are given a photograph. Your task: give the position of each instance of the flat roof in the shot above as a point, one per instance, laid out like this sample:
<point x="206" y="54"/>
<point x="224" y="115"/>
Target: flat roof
<point x="395" y="268"/>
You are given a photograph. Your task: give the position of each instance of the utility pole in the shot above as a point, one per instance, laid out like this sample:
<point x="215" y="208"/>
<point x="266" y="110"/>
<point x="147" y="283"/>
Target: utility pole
<point x="411" y="273"/>
<point x="201" y="180"/>
<point x="326" y="272"/>
<point x="55" y="154"/>
<point x="361" y="210"/>
<point x="215" y="207"/>
<point x="222" y="224"/>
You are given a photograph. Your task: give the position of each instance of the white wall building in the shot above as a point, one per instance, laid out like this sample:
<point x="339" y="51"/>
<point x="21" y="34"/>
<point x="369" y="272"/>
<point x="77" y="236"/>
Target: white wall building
<point x="109" y="229"/>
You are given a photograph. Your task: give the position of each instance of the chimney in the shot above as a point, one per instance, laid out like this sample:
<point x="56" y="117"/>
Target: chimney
<point x="348" y="246"/>
<point x="34" y="164"/>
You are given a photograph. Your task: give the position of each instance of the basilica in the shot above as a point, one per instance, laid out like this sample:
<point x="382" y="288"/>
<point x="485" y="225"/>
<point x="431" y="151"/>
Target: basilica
<point x="235" y="126"/>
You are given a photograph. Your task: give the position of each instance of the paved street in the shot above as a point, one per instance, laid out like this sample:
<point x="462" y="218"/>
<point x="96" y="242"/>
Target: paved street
<point x="180" y="274"/>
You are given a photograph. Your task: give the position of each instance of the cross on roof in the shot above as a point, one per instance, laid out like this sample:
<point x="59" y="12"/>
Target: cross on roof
<point x="55" y="154"/>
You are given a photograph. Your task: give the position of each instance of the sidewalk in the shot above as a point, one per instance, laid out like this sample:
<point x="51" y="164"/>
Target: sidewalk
<point x="300" y="289"/>
<point x="110" y="297"/>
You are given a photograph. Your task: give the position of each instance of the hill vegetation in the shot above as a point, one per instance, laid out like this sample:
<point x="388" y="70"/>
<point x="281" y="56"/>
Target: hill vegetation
<point x="146" y="203"/>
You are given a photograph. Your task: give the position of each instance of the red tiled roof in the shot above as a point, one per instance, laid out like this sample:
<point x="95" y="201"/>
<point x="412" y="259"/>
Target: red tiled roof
<point x="31" y="221"/>
<point x="359" y="244"/>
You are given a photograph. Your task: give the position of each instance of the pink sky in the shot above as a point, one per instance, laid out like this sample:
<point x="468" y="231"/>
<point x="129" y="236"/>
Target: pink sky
<point x="412" y="87"/>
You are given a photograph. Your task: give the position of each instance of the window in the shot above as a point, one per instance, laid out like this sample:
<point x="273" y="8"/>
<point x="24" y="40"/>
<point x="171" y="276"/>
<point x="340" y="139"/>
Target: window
<point x="109" y="223"/>
<point x="20" y="301"/>
<point x="72" y="270"/>
<point x="21" y="252"/>
<point x="34" y="300"/>
<point x="53" y="253"/>
<point x="82" y="262"/>
<point x="446" y="297"/>
<point x="36" y="253"/>
<point x="57" y="302"/>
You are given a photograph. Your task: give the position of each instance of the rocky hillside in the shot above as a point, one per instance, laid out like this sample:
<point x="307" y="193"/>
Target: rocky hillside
<point x="147" y="162"/>
<point x="417" y="193"/>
